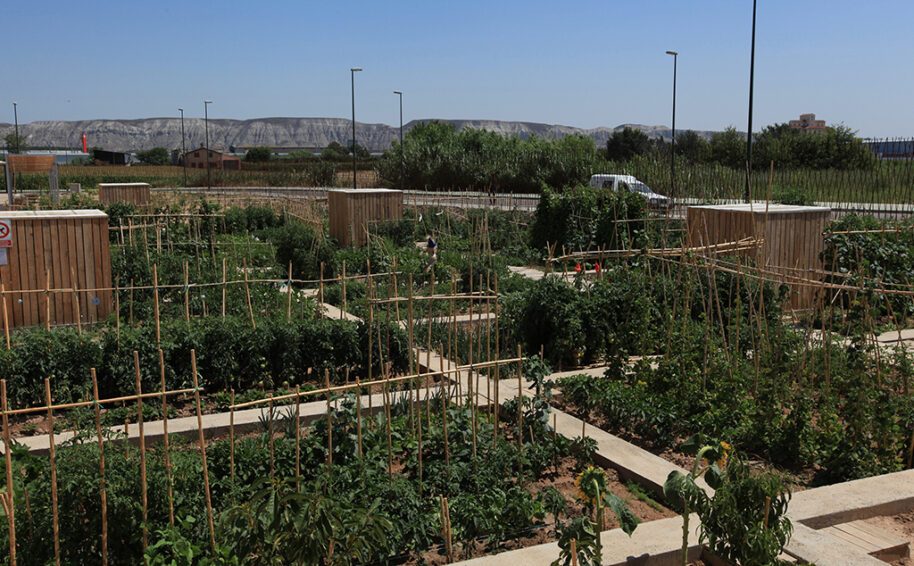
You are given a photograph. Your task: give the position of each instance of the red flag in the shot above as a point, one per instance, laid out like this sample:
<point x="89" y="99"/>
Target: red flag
<point x="84" y="144"/>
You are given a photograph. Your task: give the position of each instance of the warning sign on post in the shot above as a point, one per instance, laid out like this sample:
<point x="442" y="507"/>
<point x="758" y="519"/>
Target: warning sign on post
<point x="6" y="233"/>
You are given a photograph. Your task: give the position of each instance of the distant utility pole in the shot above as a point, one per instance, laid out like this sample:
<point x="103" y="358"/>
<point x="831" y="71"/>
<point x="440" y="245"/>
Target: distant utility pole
<point x="675" y="55"/>
<point x="352" y="72"/>
<point x="209" y="180"/>
<point x="183" y="148"/>
<point x="400" y="93"/>
<point x="751" y="87"/>
<point x="16" y="120"/>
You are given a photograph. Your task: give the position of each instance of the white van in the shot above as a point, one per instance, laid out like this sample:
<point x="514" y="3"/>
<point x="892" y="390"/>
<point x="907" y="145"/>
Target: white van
<point x="632" y="185"/>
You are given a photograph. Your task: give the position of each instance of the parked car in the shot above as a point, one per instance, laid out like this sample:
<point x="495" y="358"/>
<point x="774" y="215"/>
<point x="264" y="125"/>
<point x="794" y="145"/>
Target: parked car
<point x="633" y="185"/>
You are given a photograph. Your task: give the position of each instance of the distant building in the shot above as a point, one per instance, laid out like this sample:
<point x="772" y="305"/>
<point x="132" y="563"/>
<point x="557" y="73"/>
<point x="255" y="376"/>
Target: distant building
<point x="111" y="157"/>
<point x="891" y="149"/>
<point x="196" y="159"/>
<point x="808" y="124"/>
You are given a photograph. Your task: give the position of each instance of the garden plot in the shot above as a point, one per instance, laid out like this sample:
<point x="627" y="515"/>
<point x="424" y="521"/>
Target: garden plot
<point x="716" y="357"/>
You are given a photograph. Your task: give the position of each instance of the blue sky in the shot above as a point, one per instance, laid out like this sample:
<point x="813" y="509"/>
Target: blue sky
<point x="576" y="63"/>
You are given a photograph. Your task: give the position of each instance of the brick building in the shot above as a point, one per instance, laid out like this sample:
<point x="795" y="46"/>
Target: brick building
<point x="196" y="159"/>
<point x="808" y="124"/>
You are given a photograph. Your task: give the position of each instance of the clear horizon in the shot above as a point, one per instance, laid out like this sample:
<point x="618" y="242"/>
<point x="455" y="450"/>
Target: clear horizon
<point x="580" y="64"/>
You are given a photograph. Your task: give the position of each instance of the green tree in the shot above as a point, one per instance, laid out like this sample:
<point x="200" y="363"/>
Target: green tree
<point x="258" y="154"/>
<point x="15" y="144"/>
<point x="154" y="156"/>
<point x="334" y="152"/>
<point x="728" y="148"/>
<point x="691" y="146"/>
<point x="628" y="143"/>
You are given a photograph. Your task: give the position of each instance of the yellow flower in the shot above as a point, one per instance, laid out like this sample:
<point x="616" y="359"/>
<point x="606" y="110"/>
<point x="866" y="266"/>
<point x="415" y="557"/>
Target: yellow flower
<point x="726" y="446"/>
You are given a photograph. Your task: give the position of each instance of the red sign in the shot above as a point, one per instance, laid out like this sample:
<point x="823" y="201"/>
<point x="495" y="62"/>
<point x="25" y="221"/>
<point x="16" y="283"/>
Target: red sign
<point x="6" y="234"/>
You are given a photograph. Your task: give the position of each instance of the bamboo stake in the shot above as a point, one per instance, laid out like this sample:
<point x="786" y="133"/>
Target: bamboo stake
<point x="320" y="293"/>
<point x="209" y="501"/>
<point x="47" y="300"/>
<point x="358" y="411"/>
<point x="155" y="300"/>
<point x="232" y="443"/>
<point x="272" y="454"/>
<point x="520" y="417"/>
<point x="289" y="294"/>
<point x="343" y="289"/>
<point x="6" y="321"/>
<point x="101" y="468"/>
<point x="247" y="292"/>
<point x="187" y="294"/>
<point x="223" y="285"/>
<point x="168" y="477"/>
<point x="117" y="309"/>
<point x="79" y="324"/>
<point x="130" y="304"/>
<point x="329" y="425"/>
<point x="8" y="496"/>
<point x="390" y="455"/>
<point x="298" y="434"/>
<point x="139" y="407"/>
<point x="55" y="526"/>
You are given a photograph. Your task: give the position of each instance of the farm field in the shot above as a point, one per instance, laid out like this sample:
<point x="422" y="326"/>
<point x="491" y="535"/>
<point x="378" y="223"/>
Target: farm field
<point x="406" y="412"/>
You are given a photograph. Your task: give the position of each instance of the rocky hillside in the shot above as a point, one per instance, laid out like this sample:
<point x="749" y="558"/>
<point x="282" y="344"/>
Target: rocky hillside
<point x="133" y="135"/>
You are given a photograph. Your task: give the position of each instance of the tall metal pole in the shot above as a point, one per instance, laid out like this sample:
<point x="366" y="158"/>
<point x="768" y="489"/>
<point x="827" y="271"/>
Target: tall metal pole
<point x="673" y="195"/>
<point x="400" y="93"/>
<point x="16" y="120"/>
<point x="352" y="73"/>
<point x="206" y="103"/>
<point x="183" y="148"/>
<point x="751" y="88"/>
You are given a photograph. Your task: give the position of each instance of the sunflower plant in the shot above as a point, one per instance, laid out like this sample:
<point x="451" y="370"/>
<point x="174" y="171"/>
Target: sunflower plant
<point x="594" y="494"/>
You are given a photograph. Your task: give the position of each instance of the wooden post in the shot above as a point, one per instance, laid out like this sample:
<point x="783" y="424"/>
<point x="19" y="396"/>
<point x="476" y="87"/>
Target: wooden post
<point x="55" y="527"/>
<point x="101" y="469"/>
<point x="209" y="502"/>
<point x="171" y="499"/>
<point x="155" y="300"/>
<point x="139" y="408"/>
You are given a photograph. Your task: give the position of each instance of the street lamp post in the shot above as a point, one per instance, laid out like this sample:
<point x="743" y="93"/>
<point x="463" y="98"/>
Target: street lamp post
<point x="183" y="147"/>
<point x="751" y="88"/>
<point x="675" y="55"/>
<point x="16" y="120"/>
<point x="206" y="104"/>
<point x="400" y="94"/>
<point x="352" y="72"/>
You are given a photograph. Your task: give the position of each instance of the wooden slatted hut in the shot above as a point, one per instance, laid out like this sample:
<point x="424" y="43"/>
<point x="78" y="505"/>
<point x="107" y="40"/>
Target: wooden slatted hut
<point x="793" y="238"/>
<point x="352" y="211"/>
<point x="65" y="251"/>
<point x="136" y="193"/>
